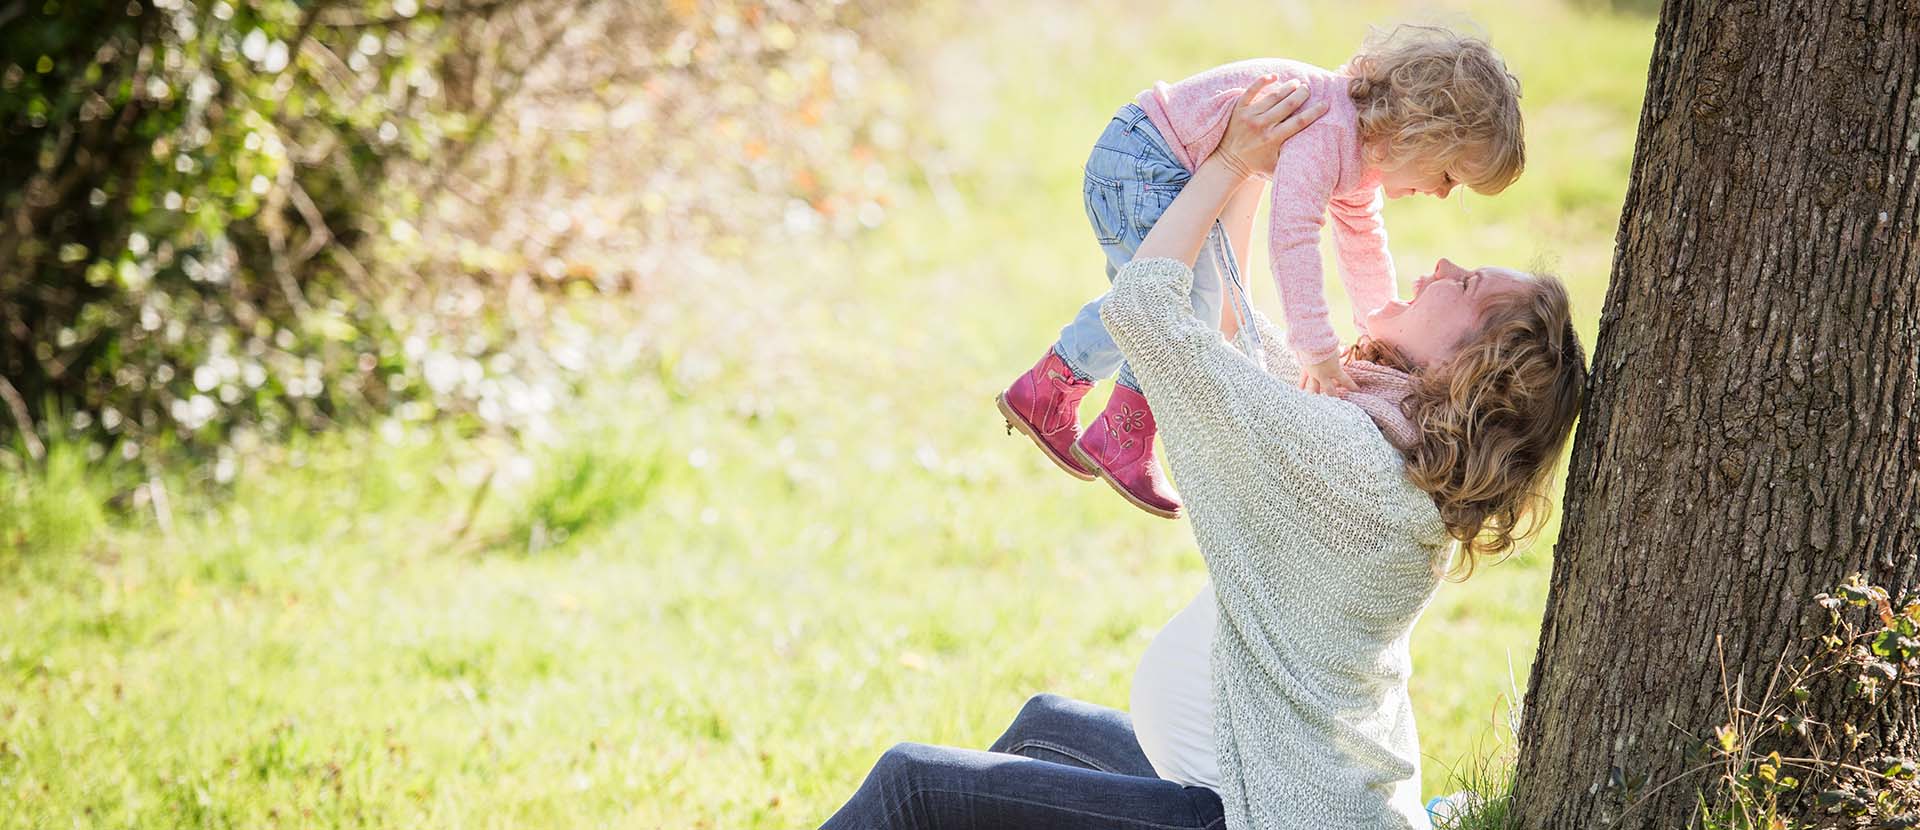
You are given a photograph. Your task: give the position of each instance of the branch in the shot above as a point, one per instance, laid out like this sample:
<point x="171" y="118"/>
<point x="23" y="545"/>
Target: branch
<point x="1817" y="763"/>
<point x="318" y="234"/>
<point x="274" y="224"/>
<point x="1642" y="800"/>
<point x="20" y="418"/>
<point x="162" y="506"/>
<point x="355" y="271"/>
<point x="498" y="103"/>
<point x="484" y="7"/>
<point x="21" y="225"/>
<point x="306" y="26"/>
<point x="459" y="531"/>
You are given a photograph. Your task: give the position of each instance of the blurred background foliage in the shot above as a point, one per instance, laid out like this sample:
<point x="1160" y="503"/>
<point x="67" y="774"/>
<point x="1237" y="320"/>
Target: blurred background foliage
<point x="229" y="221"/>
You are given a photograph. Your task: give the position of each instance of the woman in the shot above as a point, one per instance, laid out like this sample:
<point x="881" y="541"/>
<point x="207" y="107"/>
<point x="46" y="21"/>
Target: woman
<point x="1326" y="524"/>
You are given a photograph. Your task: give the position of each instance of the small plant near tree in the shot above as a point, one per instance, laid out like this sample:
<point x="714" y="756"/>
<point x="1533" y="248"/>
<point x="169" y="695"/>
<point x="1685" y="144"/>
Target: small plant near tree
<point x="1778" y="767"/>
<point x="1775" y="765"/>
<point x="1481" y="786"/>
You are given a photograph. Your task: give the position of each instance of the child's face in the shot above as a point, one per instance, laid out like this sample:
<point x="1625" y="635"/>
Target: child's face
<point x="1444" y="311"/>
<point x="1409" y="179"/>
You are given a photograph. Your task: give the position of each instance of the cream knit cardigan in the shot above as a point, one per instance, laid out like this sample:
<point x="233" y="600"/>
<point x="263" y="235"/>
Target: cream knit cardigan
<point x="1322" y="553"/>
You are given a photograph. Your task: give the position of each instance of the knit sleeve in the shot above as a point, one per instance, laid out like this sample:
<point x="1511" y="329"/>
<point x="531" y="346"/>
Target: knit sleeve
<point x="1281" y="363"/>
<point x="1360" y="242"/>
<point x="1205" y="392"/>
<point x="1303" y="182"/>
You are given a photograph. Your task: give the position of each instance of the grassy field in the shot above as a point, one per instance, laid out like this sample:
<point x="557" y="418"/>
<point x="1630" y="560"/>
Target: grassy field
<point x="798" y="536"/>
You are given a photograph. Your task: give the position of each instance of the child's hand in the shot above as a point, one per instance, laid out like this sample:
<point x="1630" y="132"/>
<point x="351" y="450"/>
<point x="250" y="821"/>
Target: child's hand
<point x="1327" y="377"/>
<point x="1267" y="115"/>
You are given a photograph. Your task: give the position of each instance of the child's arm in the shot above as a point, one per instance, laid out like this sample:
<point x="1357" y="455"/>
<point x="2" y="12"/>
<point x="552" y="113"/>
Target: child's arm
<point x="1303" y="180"/>
<point x="1360" y="240"/>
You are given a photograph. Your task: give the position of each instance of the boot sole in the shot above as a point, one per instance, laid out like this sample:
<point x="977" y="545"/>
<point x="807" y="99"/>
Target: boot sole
<point x="1082" y="456"/>
<point x="1014" y="420"/>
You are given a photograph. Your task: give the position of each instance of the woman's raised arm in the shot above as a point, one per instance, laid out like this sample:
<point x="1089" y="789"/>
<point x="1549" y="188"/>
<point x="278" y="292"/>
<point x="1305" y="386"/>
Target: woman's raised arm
<point x="1262" y="121"/>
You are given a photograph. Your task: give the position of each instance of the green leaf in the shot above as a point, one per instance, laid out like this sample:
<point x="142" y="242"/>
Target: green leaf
<point x="330" y="326"/>
<point x="1728" y="736"/>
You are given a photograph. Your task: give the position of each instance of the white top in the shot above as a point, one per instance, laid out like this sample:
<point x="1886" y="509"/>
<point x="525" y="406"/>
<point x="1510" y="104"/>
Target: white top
<point x="1322" y="554"/>
<point x="1172" y="702"/>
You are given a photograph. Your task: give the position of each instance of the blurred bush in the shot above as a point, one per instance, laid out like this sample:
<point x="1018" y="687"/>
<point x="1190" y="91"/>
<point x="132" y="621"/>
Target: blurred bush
<point x="228" y="221"/>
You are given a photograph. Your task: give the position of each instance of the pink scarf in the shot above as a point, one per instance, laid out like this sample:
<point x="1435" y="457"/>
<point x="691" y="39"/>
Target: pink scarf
<point x="1382" y="390"/>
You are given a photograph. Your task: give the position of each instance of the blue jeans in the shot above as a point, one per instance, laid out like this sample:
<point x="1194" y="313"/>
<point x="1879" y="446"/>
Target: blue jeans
<point x="1131" y="179"/>
<point x="1062" y="765"/>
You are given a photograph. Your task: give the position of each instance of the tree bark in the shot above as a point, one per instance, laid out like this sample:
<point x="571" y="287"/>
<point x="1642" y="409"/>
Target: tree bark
<point x="1748" y="439"/>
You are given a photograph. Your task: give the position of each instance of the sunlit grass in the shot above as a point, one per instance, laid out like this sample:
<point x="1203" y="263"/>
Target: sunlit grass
<point x="796" y="537"/>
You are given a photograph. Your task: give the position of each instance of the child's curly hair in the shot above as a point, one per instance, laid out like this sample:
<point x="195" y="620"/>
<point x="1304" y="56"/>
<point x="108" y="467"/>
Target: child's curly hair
<point x="1443" y="100"/>
<point x="1495" y="417"/>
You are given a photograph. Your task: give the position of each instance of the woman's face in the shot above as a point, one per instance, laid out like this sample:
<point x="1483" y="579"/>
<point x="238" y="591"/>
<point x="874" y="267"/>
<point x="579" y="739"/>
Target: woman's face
<point x="1445" y="309"/>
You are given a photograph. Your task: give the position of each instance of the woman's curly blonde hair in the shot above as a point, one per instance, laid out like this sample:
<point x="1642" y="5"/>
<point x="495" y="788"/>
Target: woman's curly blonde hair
<point x="1494" y="418"/>
<point x="1440" y="100"/>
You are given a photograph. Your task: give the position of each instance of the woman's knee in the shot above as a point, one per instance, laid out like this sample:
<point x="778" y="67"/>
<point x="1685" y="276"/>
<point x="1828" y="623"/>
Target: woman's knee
<point x="1037" y="718"/>
<point x="903" y="763"/>
<point x="1037" y="709"/>
<point x="1043" y="705"/>
<point x="889" y="786"/>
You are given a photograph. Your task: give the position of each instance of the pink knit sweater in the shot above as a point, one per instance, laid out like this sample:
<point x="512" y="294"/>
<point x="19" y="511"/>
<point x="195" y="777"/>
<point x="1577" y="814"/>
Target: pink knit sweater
<point x="1320" y="173"/>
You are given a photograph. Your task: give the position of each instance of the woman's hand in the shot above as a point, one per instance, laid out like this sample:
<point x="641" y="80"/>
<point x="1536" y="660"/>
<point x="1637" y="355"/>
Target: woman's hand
<point x="1263" y="120"/>
<point x="1265" y="117"/>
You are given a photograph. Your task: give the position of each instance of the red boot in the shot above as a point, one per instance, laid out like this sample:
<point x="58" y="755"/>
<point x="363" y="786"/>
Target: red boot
<point x="1119" y="447"/>
<point x="1044" y="403"/>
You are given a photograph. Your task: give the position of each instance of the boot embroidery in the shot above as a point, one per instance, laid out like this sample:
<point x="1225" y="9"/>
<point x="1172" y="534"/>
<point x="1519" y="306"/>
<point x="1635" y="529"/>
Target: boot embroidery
<point x="1130" y="419"/>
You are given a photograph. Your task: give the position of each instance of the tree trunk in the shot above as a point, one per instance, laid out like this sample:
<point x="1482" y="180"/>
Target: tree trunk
<point x="1749" y="437"/>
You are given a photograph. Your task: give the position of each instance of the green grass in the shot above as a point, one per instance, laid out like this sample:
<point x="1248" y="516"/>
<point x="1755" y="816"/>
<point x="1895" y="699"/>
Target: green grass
<point x="798" y="536"/>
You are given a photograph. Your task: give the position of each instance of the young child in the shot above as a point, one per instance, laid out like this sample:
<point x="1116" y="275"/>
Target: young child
<point x="1419" y="110"/>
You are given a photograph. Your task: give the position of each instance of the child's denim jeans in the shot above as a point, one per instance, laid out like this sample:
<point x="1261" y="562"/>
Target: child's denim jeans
<point x="1131" y="179"/>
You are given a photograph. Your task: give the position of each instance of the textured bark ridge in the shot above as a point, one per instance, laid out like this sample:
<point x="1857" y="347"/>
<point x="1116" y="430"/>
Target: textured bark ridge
<point x="1750" y="437"/>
